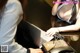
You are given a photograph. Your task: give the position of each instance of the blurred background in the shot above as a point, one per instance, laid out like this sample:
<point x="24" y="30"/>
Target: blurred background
<point x="38" y="12"/>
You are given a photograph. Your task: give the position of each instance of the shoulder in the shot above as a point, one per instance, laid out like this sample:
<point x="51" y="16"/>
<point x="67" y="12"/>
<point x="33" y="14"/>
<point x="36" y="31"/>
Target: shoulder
<point x="13" y="5"/>
<point x="13" y="2"/>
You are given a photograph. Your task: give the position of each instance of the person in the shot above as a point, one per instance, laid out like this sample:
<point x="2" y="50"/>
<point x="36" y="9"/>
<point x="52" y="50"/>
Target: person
<point x="67" y="18"/>
<point x="11" y="14"/>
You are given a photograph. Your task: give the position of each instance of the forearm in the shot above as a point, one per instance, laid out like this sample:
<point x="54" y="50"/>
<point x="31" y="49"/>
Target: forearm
<point x="55" y="7"/>
<point x="68" y="28"/>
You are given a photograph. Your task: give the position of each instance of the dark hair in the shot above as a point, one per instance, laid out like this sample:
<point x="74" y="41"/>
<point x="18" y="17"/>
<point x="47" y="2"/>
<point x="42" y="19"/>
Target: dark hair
<point x="2" y="7"/>
<point x="74" y="14"/>
<point x="2" y="3"/>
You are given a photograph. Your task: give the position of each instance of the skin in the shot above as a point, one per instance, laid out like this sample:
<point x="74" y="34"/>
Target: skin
<point x="74" y="27"/>
<point x="35" y="50"/>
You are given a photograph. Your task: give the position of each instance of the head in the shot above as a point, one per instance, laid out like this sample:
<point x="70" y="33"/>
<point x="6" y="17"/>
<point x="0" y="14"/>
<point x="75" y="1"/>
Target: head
<point x="2" y="3"/>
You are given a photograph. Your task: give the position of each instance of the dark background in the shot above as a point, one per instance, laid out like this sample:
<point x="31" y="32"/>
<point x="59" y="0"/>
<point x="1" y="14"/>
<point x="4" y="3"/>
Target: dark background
<point x="38" y="12"/>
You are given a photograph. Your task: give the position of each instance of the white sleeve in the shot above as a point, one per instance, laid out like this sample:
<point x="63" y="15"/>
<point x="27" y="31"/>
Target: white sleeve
<point x="8" y="27"/>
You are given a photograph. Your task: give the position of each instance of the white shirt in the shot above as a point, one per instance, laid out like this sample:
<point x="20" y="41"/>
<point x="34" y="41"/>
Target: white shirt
<point x="10" y="19"/>
<point x="68" y="11"/>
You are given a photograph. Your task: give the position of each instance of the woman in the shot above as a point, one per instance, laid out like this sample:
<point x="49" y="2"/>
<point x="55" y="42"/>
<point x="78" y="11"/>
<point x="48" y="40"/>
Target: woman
<point x="67" y="19"/>
<point x="10" y="16"/>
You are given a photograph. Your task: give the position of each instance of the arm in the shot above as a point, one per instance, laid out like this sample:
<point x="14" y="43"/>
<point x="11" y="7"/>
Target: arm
<point x="8" y="28"/>
<point x="74" y="27"/>
<point x="55" y="7"/>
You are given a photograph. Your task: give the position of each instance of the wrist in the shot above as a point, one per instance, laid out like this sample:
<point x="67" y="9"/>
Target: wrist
<point x="58" y="30"/>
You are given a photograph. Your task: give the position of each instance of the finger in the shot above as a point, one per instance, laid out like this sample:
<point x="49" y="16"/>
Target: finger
<point x="51" y="34"/>
<point x="39" y="51"/>
<point x="48" y="34"/>
<point x="48" y="31"/>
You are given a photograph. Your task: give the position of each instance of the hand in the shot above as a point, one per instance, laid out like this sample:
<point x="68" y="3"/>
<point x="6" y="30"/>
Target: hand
<point x="35" y="50"/>
<point x="52" y="31"/>
<point x="59" y="0"/>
